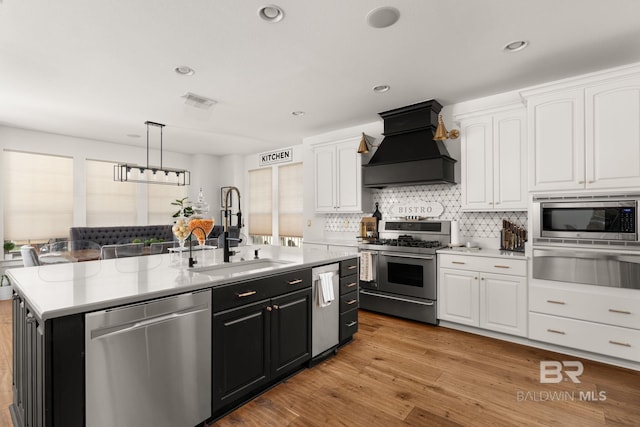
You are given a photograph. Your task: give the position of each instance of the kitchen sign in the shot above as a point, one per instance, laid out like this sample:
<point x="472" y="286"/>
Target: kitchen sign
<point x="416" y="210"/>
<point x="275" y="157"/>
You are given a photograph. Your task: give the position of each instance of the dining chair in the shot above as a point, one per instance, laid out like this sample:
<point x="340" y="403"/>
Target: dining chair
<point x="29" y="256"/>
<point x="129" y="250"/>
<point x="160" y="247"/>
<point x="108" y="251"/>
<point x="69" y="251"/>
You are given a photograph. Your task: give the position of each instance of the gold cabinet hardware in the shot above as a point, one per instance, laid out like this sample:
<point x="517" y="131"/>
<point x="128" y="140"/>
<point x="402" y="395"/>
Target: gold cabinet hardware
<point x="554" y="331"/>
<point x="501" y="266"/>
<point x="613" y="310"/>
<point x="247" y="294"/>
<point x="458" y="262"/>
<point x="350" y="324"/>
<point x="269" y="308"/>
<point x="295" y="282"/>
<point x="351" y="267"/>
<point x="351" y="285"/>
<point x="624" y="344"/>
<point x="353" y="301"/>
<point x="275" y="306"/>
<point x="550" y="301"/>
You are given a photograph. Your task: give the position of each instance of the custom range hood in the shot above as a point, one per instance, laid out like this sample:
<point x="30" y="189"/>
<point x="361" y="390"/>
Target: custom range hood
<point x="408" y="155"/>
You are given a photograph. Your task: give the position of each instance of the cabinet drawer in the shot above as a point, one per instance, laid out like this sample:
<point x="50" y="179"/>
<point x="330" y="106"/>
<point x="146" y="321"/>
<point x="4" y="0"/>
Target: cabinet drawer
<point x="348" y="301"/>
<point x="348" y="324"/>
<point x="598" y="338"/>
<point x="349" y="266"/>
<point x="348" y="284"/>
<point x="516" y="267"/>
<point x="225" y="297"/>
<point x="601" y="307"/>
<point x="289" y="282"/>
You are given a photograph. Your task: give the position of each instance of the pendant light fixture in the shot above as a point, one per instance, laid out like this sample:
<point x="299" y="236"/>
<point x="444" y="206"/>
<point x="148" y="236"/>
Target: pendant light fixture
<point x="127" y="172"/>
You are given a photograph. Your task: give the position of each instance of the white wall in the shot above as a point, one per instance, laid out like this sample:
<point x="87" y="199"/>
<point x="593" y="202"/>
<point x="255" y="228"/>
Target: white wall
<point x="205" y="169"/>
<point x="252" y="162"/>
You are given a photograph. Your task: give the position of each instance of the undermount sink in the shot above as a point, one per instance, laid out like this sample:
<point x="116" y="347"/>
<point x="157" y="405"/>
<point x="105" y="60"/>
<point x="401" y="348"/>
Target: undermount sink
<point x="241" y="266"/>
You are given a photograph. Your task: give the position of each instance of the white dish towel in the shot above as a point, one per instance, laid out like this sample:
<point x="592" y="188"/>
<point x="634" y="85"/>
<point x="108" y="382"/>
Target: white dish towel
<point x="366" y="267"/>
<point x="325" y="289"/>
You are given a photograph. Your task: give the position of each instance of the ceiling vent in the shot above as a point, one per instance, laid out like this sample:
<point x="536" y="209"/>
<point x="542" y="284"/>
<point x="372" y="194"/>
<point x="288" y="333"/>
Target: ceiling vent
<point x="198" y="101"/>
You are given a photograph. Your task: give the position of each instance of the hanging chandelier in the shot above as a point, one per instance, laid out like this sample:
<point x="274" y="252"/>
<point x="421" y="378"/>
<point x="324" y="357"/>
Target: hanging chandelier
<point x="127" y="172"/>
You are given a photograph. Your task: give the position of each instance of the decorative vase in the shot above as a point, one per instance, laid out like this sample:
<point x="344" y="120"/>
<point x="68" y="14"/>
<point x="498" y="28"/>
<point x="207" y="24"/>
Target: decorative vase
<point x="201" y="223"/>
<point x="181" y="230"/>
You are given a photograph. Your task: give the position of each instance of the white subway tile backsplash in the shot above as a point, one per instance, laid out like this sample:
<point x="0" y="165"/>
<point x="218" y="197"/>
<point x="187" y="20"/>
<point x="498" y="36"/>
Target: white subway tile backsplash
<point x="472" y="224"/>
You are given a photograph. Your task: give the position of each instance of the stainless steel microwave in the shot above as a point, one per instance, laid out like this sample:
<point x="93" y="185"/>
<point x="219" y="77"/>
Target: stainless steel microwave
<point x="586" y="219"/>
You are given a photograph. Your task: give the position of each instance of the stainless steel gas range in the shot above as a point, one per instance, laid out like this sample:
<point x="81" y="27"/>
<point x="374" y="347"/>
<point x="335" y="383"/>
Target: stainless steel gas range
<point x="398" y="270"/>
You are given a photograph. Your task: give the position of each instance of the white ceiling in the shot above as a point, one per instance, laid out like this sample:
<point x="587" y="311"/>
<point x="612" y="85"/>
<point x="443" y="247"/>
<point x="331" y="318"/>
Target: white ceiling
<point x="101" y="69"/>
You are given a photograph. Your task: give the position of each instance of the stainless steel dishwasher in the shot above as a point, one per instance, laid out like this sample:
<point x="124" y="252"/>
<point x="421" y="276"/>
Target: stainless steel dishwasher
<point x="149" y="364"/>
<point x="325" y="321"/>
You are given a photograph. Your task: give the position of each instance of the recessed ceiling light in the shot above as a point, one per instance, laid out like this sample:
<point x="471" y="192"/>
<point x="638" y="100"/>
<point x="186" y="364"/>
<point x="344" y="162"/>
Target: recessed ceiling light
<point x="383" y="17"/>
<point x="515" y="46"/>
<point x="381" y="88"/>
<point x="185" y="70"/>
<point x="297" y="113"/>
<point x="271" y="13"/>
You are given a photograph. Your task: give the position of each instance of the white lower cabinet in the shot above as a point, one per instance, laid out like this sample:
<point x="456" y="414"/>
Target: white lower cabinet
<point x="475" y="291"/>
<point x="592" y="318"/>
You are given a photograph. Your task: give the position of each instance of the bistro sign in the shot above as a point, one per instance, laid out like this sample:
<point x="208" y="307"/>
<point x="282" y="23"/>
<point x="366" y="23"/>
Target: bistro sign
<point x="275" y="157"/>
<point x="416" y="210"/>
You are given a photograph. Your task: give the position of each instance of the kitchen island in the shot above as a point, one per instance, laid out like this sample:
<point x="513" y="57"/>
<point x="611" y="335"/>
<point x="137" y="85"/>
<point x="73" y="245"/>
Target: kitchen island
<point x="104" y="342"/>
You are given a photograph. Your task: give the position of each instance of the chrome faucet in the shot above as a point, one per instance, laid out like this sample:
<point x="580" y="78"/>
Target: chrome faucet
<point x="227" y="221"/>
<point x="192" y="261"/>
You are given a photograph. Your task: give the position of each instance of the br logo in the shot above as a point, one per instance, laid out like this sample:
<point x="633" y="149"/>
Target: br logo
<point x="552" y="371"/>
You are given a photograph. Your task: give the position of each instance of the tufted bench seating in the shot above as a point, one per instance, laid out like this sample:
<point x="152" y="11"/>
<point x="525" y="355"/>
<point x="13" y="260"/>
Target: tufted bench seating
<point x="122" y="234"/>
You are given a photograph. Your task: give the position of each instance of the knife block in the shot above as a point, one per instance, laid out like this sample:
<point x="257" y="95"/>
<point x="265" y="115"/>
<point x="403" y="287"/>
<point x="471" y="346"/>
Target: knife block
<point x="506" y="244"/>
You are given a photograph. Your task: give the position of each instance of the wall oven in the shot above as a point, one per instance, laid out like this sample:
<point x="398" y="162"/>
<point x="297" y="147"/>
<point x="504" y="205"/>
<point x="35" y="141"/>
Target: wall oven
<point x="588" y="220"/>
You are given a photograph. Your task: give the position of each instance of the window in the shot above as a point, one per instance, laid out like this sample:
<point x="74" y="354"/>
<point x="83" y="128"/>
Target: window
<point x="38" y="196"/>
<point x="109" y="203"/>
<point x="160" y="209"/>
<point x="290" y="191"/>
<point x="260" y="205"/>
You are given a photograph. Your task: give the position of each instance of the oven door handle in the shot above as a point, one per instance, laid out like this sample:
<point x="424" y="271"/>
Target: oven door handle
<point x="398" y="255"/>
<point x="540" y="253"/>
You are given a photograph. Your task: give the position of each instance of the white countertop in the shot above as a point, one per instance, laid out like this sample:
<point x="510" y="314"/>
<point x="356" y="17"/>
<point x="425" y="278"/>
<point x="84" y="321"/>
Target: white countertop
<point x="336" y="242"/>
<point x="484" y="252"/>
<point x="70" y="288"/>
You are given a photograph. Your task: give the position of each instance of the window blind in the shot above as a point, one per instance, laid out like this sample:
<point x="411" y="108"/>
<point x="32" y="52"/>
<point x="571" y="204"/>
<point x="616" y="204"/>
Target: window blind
<point x="159" y="198"/>
<point x="290" y="191"/>
<point x="260" y="201"/>
<point x="38" y="196"/>
<point x="109" y="203"/>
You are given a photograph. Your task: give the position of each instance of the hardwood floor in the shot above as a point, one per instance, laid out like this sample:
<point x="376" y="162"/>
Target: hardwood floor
<point x="403" y="373"/>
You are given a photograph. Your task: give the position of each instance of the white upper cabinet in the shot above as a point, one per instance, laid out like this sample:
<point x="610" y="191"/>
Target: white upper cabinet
<point x="494" y="161"/>
<point x="585" y="137"/>
<point x="338" y="177"/>
<point x="612" y="134"/>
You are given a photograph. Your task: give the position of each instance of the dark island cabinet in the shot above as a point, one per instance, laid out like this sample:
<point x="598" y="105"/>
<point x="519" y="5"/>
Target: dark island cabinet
<point x="348" y="299"/>
<point x="259" y="343"/>
<point x="48" y="369"/>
